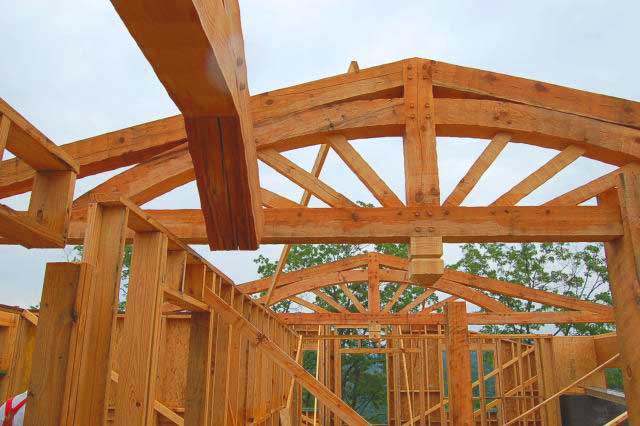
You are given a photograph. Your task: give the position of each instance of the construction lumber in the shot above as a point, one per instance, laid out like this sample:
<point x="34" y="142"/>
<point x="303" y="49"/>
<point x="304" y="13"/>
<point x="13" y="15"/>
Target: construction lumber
<point x="362" y="319"/>
<point x="561" y="391"/>
<point x="89" y="375"/>
<point x="419" y="140"/>
<point x="364" y="172"/>
<point x="282" y="359"/>
<point x="425" y="260"/>
<point x="34" y="148"/>
<point x="304" y="179"/>
<point x="373" y="282"/>
<point x="63" y="299"/>
<point x="526" y="293"/>
<point x="141" y="331"/>
<point x="590" y="189"/>
<point x="471" y="224"/>
<point x="459" y="364"/>
<point x="540" y="176"/>
<point x="201" y="336"/>
<point x="531" y="92"/>
<point x="208" y="83"/>
<point x="148" y="180"/>
<point x="477" y="169"/>
<point x="102" y="153"/>
<point x="624" y="273"/>
<point x="19" y="228"/>
<point x="321" y="157"/>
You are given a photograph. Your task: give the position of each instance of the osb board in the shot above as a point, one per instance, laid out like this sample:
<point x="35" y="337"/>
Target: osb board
<point x="575" y="357"/>
<point x="606" y="347"/>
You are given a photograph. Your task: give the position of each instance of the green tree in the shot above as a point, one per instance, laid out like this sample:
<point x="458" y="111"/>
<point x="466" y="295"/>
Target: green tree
<point x="576" y="270"/>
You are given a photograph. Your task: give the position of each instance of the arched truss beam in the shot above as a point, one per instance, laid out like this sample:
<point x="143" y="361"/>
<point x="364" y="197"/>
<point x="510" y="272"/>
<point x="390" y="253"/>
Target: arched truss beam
<point x="369" y="103"/>
<point x="394" y="270"/>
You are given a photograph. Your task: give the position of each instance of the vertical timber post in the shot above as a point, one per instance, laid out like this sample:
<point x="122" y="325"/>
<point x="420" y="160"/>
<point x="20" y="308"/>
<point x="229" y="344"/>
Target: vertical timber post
<point x="135" y="395"/>
<point x="85" y="401"/>
<point x="63" y="302"/>
<point x="459" y="365"/>
<point x="623" y="262"/>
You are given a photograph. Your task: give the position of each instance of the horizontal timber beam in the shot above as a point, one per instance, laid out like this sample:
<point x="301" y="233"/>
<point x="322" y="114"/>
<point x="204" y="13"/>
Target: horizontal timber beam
<point x="362" y="319"/>
<point x="366" y="225"/>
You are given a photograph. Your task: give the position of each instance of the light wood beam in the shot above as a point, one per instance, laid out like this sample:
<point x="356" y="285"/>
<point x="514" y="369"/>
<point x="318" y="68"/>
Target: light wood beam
<point x="330" y="300"/>
<point x="352" y="297"/>
<point x="364" y="172"/>
<point x="459" y="364"/>
<point x="477" y="170"/>
<point x="5" y="124"/>
<point x="300" y="301"/>
<point x="277" y="355"/>
<point x="198" y="392"/>
<point x="590" y="189"/>
<point x="623" y="261"/>
<point x="361" y="225"/>
<point x="29" y="144"/>
<point x="321" y="157"/>
<point x="540" y="176"/>
<point x="420" y="156"/>
<point x="141" y="331"/>
<point x="103" y="249"/>
<point x="418" y="300"/>
<point x="394" y="299"/>
<point x="526" y="293"/>
<point x="64" y="296"/>
<point x="362" y="319"/>
<point x="208" y="83"/>
<point x="272" y="200"/>
<point x="373" y="282"/>
<point x="304" y="179"/>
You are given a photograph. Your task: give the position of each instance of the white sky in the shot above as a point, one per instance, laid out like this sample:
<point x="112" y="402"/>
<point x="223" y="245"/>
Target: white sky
<point x="71" y="68"/>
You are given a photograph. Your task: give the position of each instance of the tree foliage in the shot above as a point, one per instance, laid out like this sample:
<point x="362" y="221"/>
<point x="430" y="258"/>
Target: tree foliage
<point x="575" y="270"/>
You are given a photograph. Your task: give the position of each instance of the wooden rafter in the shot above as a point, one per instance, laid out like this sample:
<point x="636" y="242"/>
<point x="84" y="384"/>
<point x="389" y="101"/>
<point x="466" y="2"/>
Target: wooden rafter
<point x="418" y="300"/>
<point x="364" y="172"/>
<point x="590" y="189"/>
<point x="330" y="300"/>
<point x="540" y="176"/>
<point x="394" y="299"/>
<point x="352" y="297"/>
<point x="306" y="180"/>
<point x="479" y="167"/>
<point x="306" y="197"/>
<point x="208" y="83"/>
<point x="312" y="306"/>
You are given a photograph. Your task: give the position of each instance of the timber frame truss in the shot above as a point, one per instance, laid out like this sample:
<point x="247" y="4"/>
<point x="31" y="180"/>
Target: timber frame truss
<point x="218" y="140"/>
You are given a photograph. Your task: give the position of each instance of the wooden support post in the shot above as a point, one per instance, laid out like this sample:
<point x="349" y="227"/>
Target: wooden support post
<point x="220" y="385"/>
<point x="51" y="199"/>
<point x="141" y="331"/>
<point x="426" y="265"/>
<point x="373" y="275"/>
<point x="198" y="367"/>
<point x="85" y="403"/>
<point x="459" y="365"/>
<point x="623" y="261"/>
<point x="420" y="156"/>
<point x="63" y="300"/>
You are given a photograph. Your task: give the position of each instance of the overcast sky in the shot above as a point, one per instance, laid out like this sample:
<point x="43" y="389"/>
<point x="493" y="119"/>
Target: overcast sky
<point x="72" y="69"/>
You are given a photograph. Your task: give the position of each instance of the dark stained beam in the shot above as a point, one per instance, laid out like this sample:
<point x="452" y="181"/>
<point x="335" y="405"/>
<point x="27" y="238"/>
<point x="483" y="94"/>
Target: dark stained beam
<point x="196" y="49"/>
